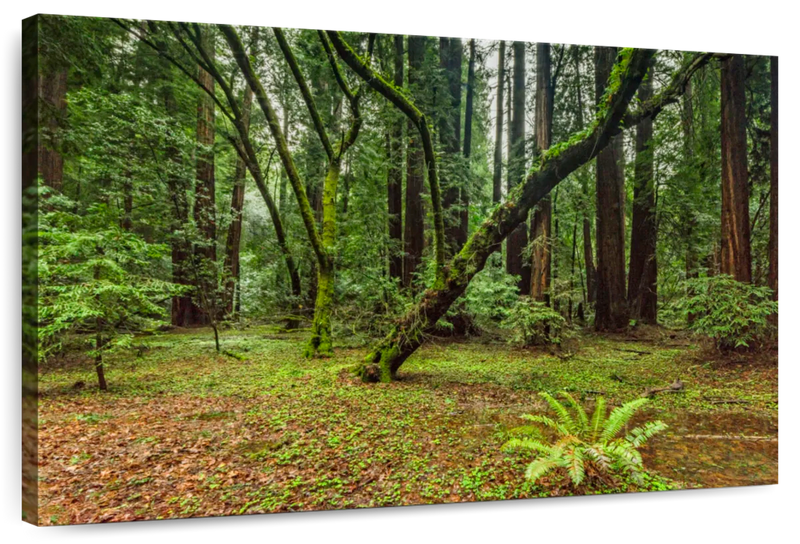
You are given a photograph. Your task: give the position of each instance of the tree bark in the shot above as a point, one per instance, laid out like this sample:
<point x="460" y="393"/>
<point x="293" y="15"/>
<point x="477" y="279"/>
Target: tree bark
<point x="497" y="177"/>
<point x="611" y="308"/>
<point x="643" y="272"/>
<point x="542" y="215"/>
<point x="53" y="90"/>
<point x="773" y="182"/>
<point x="518" y="240"/>
<point x="735" y="254"/>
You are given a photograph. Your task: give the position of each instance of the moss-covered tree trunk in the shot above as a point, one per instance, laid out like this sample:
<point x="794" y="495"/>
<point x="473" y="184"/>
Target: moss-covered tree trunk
<point x="395" y="174"/>
<point x="411" y="330"/>
<point x="414" y="240"/>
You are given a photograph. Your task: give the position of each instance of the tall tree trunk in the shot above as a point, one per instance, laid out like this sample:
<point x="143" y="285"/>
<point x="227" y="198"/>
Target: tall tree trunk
<point x="690" y="220"/>
<point x="773" y="182"/>
<point x="395" y="176"/>
<point x="542" y="215"/>
<point x="205" y="252"/>
<point x="234" y="240"/>
<point x="588" y="252"/>
<point x="518" y="240"/>
<point x="497" y="178"/>
<point x="643" y="272"/>
<point x="414" y="239"/>
<point x="450" y="59"/>
<point x="127" y="202"/>
<point x="735" y="255"/>
<point x="53" y="110"/>
<point x="611" y="308"/>
<point x="468" y="112"/>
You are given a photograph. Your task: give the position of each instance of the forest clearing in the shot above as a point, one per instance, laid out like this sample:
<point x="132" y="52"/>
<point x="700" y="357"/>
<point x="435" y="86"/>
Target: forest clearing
<point x="185" y="432"/>
<point x="273" y="270"/>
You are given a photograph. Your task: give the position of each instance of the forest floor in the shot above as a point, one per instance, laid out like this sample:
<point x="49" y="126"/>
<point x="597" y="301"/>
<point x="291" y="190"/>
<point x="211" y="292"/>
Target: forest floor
<point x="185" y="432"/>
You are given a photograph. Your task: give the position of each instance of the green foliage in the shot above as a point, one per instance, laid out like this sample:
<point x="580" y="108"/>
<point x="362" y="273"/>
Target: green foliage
<point x="534" y="323"/>
<point x="732" y="313"/>
<point x="94" y="277"/>
<point x="582" y="441"/>
<point x="491" y="296"/>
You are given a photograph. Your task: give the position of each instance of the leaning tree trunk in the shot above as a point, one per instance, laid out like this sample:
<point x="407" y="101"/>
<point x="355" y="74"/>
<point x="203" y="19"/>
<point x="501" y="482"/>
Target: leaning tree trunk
<point x="735" y="254"/>
<point x="773" y="183"/>
<point x="409" y="333"/>
<point x="542" y="216"/>
<point x="643" y="272"/>
<point x="518" y="240"/>
<point x="611" y="308"/>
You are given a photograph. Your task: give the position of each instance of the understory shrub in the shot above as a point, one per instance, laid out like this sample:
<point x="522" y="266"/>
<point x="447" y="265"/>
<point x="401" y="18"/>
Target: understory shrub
<point x="534" y="323"/>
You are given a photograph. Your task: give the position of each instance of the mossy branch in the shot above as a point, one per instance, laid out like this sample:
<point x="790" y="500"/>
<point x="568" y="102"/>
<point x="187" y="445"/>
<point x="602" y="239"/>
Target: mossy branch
<point x="235" y="44"/>
<point x="362" y="68"/>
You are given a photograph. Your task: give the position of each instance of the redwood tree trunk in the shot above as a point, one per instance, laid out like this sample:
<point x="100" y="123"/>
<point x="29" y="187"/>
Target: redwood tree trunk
<point x="643" y="273"/>
<point x="468" y="111"/>
<point x="205" y="251"/>
<point x="414" y="240"/>
<point x="53" y="109"/>
<point x="773" y="184"/>
<point x="518" y="240"/>
<point x="611" y="308"/>
<point x="588" y="252"/>
<point x="542" y="215"/>
<point x="395" y="176"/>
<point x="735" y="254"/>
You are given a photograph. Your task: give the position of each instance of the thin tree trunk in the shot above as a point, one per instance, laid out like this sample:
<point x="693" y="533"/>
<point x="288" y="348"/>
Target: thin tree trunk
<point x="468" y="112"/>
<point x="127" y="202"/>
<point x="497" y="178"/>
<point x="588" y="252"/>
<point x="518" y="240"/>
<point x="395" y="177"/>
<point x="773" y="184"/>
<point x="450" y="59"/>
<point x="735" y="254"/>
<point x="414" y="240"/>
<point x="611" y="308"/>
<point x="643" y="272"/>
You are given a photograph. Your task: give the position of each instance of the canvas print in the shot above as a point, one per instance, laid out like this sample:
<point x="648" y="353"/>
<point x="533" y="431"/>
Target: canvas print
<point x="278" y="270"/>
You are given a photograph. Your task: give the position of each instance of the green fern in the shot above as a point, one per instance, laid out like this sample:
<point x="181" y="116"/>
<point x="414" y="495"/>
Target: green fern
<point x="581" y="440"/>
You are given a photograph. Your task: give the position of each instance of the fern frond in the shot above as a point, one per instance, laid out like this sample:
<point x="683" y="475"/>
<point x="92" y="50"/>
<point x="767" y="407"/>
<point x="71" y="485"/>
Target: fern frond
<point x="639" y="435"/>
<point x="598" y="418"/>
<point x="527" y="430"/>
<point x="575" y="465"/>
<point x="528" y="444"/>
<point x="548" y="422"/>
<point x="564" y="416"/>
<point x="583" y="419"/>
<point x="539" y="468"/>
<point x="596" y="454"/>
<point x="619" y="417"/>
